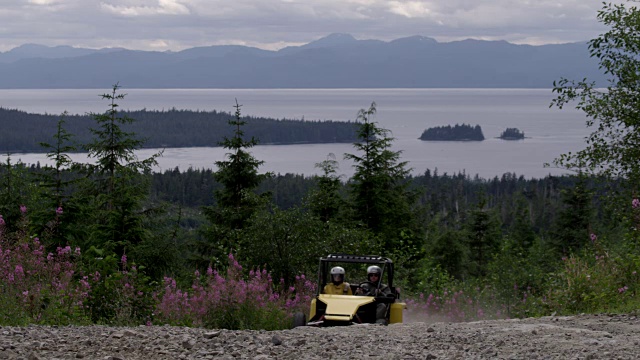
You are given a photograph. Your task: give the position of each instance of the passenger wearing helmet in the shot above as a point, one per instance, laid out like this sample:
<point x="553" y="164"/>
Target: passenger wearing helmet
<point x="337" y="285"/>
<point x="374" y="287"/>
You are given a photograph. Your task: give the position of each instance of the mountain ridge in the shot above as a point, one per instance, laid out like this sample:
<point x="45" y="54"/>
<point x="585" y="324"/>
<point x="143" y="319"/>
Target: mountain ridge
<point x="335" y="61"/>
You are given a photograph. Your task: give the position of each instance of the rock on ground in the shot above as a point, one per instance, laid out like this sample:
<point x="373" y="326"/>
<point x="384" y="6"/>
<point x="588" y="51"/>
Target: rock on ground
<point x="571" y="337"/>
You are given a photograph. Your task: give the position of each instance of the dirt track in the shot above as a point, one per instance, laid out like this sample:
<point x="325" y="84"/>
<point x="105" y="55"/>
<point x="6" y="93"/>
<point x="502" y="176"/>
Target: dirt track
<point x="579" y="337"/>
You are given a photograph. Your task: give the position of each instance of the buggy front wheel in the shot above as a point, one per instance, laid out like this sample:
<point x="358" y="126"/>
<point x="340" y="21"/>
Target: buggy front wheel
<point x="299" y="319"/>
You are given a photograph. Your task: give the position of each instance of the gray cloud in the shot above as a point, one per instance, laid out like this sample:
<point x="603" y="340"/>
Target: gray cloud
<point x="179" y="24"/>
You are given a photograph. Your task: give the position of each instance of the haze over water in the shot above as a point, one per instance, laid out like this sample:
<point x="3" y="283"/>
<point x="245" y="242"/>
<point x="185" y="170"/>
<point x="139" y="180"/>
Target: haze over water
<point x="406" y="112"/>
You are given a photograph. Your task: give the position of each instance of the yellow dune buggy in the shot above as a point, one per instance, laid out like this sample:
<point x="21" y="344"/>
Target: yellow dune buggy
<point x="332" y="310"/>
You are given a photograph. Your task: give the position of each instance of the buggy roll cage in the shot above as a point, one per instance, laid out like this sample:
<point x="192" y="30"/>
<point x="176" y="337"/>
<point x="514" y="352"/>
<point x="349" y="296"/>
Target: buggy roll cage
<point x="385" y="264"/>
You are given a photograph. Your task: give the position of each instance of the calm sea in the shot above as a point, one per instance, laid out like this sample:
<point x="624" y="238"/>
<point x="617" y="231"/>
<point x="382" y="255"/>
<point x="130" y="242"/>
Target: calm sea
<point x="406" y="112"/>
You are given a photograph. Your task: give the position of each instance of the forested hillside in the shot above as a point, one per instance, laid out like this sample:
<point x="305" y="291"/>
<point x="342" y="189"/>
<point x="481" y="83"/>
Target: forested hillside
<point x="22" y="131"/>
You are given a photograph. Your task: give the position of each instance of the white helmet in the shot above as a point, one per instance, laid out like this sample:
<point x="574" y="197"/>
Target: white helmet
<point x="337" y="275"/>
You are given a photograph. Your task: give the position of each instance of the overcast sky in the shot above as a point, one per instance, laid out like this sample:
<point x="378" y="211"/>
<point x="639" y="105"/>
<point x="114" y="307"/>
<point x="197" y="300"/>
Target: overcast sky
<point x="272" y="24"/>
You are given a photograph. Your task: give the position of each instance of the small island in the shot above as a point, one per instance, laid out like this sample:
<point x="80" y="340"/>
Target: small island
<point x="512" y="134"/>
<point x="456" y="133"/>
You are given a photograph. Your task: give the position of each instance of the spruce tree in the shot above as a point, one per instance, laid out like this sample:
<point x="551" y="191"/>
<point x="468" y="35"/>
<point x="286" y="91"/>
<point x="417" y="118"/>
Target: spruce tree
<point x="236" y="200"/>
<point x="16" y="188"/>
<point x="572" y="227"/>
<point x="59" y="154"/>
<point x="483" y="237"/>
<point x="325" y="201"/>
<point x="119" y="185"/>
<point x="55" y="220"/>
<point x="521" y="229"/>
<point x="378" y="190"/>
<point x="238" y="176"/>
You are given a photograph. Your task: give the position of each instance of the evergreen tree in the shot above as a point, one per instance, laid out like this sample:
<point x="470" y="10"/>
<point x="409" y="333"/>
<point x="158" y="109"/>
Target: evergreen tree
<point x="119" y="186"/>
<point x="54" y="223"/>
<point x="236" y="200"/>
<point x="521" y="229"/>
<point x="325" y="201"/>
<point x="571" y="230"/>
<point x="15" y="189"/>
<point x="238" y="176"/>
<point x="378" y="192"/>
<point x="59" y="154"/>
<point x="483" y="237"/>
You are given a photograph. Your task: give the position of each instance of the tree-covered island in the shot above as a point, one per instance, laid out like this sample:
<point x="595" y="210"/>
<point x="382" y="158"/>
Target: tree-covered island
<point x="512" y="134"/>
<point x="462" y="132"/>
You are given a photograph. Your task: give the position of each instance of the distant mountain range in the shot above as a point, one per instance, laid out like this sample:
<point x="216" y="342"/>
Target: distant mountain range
<point x="335" y="61"/>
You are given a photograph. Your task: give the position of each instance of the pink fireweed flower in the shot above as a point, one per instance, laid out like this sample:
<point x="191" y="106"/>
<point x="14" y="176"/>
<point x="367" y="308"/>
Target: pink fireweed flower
<point x="23" y="209"/>
<point x="1" y="221"/>
<point x="124" y="259"/>
<point x="635" y="203"/>
<point x="19" y="270"/>
<point x="594" y="238"/>
<point x="623" y="289"/>
<point x="65" y="250"/>
<point x="59" y="210"/>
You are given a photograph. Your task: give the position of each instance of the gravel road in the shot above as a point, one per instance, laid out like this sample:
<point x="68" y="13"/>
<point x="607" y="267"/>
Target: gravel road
<point x="573" y="337"/>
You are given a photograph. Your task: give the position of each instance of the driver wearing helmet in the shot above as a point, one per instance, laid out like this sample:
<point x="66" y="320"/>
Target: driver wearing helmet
<point x="337" y="285"/>
<point x="374" y="287"/>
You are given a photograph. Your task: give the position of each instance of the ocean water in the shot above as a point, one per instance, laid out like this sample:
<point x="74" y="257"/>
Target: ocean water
<point x="405" y="112"/>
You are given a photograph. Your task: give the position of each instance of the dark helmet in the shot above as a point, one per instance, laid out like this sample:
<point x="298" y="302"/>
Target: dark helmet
<point x="337" y="275"/>
<point x="374" y="270"/>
